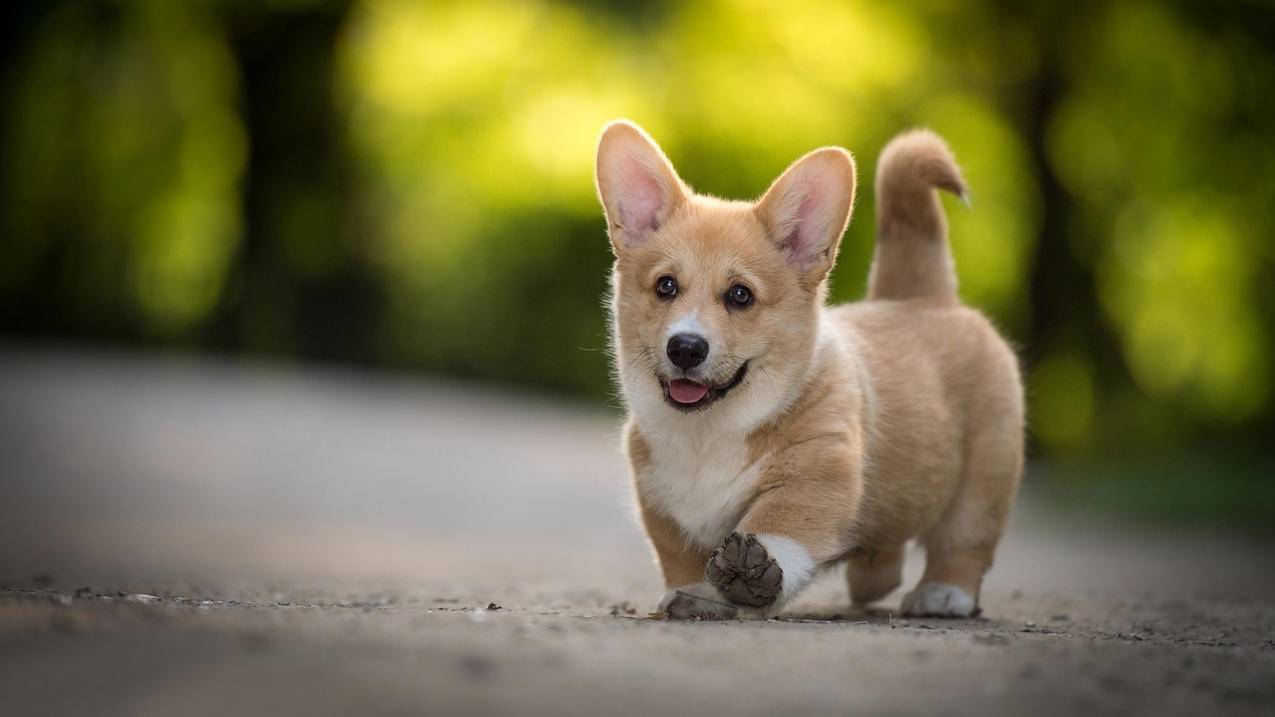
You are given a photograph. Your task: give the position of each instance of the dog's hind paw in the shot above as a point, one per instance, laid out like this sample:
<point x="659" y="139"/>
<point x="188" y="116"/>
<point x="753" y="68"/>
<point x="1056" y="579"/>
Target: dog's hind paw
<point x="744" y="573"/>
<point x="938" y="600"/>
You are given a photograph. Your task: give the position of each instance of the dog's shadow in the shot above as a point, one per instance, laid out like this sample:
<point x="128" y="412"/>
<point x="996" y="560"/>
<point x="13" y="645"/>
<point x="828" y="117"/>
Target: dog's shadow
<point x="878" y="616"/>
<point x="840" y="613"/>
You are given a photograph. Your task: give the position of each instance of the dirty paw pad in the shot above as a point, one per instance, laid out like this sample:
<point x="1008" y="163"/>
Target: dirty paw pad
<point x="687" y="605"/>
<point x="744" y="572"/>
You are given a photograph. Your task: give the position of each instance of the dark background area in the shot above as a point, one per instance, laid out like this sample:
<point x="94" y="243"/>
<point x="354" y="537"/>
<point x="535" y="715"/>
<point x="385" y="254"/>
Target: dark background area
<point x="408" y="185"/>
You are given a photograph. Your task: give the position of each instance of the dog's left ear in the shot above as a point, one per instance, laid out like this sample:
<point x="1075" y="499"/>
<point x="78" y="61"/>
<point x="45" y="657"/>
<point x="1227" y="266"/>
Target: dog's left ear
<point x="806" y="210"/>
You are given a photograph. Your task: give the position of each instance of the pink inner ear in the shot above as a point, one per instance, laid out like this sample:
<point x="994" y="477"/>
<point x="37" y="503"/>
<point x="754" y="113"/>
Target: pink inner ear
<point x="641" y="201"/>
<point x="641" y="198"/>
<point x="806" y="223"/>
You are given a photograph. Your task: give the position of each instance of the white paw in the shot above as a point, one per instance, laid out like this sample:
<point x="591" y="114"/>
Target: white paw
<point x="793" y="559"/>
<point x="938" y="600"/>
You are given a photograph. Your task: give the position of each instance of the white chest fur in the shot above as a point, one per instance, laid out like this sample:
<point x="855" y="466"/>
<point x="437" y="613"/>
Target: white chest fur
<point x="700" y="479"/>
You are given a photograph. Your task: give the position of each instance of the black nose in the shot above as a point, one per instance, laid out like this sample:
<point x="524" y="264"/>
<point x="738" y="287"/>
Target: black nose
<point x="687" y="350"/>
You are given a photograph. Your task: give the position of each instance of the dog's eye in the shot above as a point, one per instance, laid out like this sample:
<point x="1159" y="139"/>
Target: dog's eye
<point x="739" y="296"/>
<point x="666" y="287"/>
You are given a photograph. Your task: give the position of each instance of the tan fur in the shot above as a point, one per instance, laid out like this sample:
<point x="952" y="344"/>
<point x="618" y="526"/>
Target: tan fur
<point x="858" y="427"/>
<point x="911" y="258"/>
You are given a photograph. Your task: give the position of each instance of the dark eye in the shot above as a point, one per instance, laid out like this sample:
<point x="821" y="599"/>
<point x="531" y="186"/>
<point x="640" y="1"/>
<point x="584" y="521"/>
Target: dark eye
<point x="666" y="287"/>
<point x="739" y="296"/>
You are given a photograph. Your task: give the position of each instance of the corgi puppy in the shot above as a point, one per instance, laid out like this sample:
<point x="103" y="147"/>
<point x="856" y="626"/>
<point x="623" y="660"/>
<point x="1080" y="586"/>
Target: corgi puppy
<point x="771" y="435"/>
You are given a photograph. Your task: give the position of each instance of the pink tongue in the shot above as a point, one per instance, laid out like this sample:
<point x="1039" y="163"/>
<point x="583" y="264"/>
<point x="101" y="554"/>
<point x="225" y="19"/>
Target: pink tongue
<point x="686" y="391"/>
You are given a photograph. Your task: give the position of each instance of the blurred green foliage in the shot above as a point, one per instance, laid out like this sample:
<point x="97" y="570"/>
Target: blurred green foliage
<point x="409" y="183"/>
<point x="1187" y="488"/>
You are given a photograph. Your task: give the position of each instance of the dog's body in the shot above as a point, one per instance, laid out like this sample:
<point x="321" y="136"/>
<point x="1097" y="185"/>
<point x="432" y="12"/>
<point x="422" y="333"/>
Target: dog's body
<point x="770" y="435"/>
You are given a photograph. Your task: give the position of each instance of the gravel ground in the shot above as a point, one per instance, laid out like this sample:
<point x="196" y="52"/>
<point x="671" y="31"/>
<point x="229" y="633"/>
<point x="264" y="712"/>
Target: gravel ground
<point x="199" y="537"/>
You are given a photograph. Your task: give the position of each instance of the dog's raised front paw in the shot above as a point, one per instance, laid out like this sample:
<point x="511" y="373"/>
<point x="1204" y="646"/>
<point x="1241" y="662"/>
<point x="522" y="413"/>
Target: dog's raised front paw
<point x="744" y="572"/>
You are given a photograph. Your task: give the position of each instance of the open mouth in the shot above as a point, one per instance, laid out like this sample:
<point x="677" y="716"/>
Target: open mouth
<point x="688" y="395"/>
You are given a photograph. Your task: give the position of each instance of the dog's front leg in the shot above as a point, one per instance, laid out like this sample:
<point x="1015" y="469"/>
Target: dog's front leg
<point x="688" y="595"/>
<point x="797" y="525"/>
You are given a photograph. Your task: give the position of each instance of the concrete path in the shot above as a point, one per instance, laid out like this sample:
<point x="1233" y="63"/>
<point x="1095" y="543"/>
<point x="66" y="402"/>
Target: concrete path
<point x="201" y="537"/>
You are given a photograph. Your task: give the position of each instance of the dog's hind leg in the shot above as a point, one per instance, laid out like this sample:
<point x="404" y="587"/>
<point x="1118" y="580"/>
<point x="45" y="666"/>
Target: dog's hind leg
<point x="874" y="574"/>
<point x="960" y="547"/>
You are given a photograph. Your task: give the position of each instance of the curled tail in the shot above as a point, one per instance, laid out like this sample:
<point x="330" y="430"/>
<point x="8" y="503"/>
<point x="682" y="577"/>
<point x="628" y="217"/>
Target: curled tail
<point x="912" y="258"/>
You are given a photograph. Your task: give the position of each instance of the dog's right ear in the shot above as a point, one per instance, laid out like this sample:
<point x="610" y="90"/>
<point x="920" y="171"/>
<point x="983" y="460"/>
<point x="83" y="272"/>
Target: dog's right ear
<point x="638" y="186"/>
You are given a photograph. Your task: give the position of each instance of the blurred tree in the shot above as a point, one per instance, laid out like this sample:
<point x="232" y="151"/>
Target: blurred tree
<point x="122" y="151"/>
<point x="300" y="283"/>
<point x="410" y="183"/>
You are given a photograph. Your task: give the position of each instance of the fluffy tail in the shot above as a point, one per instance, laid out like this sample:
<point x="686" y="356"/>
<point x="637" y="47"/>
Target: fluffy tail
<point x="912" y="258"/>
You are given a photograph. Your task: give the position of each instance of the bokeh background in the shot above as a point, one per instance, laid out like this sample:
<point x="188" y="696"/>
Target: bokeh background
<point x="407" y="185"/>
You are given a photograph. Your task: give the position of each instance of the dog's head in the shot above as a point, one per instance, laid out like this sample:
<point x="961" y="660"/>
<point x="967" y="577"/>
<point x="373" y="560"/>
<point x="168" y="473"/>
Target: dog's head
<point x="716" y="303"/>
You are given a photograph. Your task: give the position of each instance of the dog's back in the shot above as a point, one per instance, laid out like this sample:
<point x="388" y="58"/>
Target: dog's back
<point x="946" y="396"/>
<point x="943" y="383"/>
